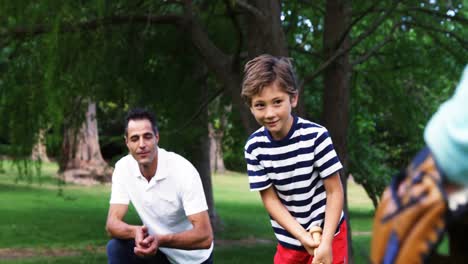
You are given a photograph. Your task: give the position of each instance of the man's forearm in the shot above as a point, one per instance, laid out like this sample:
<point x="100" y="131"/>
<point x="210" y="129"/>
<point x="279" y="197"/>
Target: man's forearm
<point x="191" y="239"/>
<point x="120" y="229"/>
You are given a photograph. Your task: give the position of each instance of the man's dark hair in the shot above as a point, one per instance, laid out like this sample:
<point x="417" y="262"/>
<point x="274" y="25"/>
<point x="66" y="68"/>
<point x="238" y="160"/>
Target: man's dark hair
<point x="140" y="114"/>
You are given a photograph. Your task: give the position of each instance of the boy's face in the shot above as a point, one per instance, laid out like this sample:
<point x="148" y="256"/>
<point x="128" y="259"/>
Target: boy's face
<point x="272" y="109"/>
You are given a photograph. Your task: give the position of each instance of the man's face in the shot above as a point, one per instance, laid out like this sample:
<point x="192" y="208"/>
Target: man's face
<point x="142" y="142"/>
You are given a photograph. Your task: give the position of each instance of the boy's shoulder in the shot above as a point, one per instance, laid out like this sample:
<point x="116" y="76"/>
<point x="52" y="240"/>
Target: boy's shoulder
<point x="309" y="125"/>
<point x="260" y="132"/>
<point x="257" y="136"/>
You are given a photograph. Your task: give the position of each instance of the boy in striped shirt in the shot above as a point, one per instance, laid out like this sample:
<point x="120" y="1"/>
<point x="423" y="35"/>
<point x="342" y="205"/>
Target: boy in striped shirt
<point x="293" y="164"/>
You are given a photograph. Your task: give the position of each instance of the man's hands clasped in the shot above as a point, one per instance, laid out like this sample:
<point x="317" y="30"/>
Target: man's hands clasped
<point x="145" y="244"/>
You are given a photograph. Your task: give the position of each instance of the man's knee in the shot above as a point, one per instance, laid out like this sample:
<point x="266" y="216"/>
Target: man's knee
<point x="119" y="247"/>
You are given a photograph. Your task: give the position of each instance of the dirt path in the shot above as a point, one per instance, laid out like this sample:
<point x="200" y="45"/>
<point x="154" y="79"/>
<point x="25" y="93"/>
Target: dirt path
<point x="21" y="253"/>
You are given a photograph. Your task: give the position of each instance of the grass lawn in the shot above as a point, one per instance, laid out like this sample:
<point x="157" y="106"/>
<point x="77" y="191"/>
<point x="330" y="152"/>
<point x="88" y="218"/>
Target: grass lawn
<point x="41" y="225"/>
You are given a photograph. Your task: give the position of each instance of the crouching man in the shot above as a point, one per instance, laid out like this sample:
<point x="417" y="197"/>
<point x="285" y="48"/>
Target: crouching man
<point x="167" y="193"/>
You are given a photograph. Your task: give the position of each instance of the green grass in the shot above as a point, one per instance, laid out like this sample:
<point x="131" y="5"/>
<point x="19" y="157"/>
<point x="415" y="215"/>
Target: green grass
<point x="245" y="254"/>
<point x="241" y="210"/>
<point x="34" y="216"/>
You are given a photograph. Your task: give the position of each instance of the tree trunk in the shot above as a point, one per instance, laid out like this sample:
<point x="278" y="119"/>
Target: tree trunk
<point x="39" y="151"/>
<point x="201" y="161"/>
<point x="264" y="35"/>
<point x="82" y="161"/>
<point x="264" y="31"/>
<point x="337" y="90"/>
<point x="216" y="135"/>
<point x="216" y="150"/>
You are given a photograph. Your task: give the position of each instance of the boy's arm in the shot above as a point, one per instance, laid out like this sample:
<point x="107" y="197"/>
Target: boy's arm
<point x="281" y="215"/>
<point x="334" y="206"/>
<point x="333" y="209"/>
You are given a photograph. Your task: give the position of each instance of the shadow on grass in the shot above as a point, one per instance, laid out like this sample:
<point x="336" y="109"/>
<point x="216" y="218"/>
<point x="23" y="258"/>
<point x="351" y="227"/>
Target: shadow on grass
<point x="6" y="188"/>
<point x="361" y="213"/>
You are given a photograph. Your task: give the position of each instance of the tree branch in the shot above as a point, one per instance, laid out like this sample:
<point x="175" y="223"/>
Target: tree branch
<point x="322" y="67"/>
<point x="458" y="17"/>
<point x="215" y="59"/>
<point x="461" y="40"/>
<point x="340" y="51"/>
<point x="292" y="23"/>
<point x="199" y="111"/>
<point x="300" y="49"/>
<point x="252" y="9"/>
<point x="374" y="49"/>
<point x="115" y="20"/>
<point x="366" y="12"/>
<point x="448" y="49"/>
<point x="374" y="25"/>
<point x="219" y="62"/>
<point x="236" y="60"/>
<point x="314" y="5"/>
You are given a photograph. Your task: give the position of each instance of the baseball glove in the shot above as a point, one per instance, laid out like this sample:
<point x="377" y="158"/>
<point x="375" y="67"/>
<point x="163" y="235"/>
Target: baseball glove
<point x="411" y="217"/>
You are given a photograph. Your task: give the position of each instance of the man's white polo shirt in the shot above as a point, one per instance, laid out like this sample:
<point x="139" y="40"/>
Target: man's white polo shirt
<point x="164" y="202"/>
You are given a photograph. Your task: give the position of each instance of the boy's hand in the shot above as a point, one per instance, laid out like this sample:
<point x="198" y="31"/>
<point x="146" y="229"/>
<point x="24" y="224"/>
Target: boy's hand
<point x="323" y="254"/>
<point x="316" y="233"/>
<point x="309" y="243"/>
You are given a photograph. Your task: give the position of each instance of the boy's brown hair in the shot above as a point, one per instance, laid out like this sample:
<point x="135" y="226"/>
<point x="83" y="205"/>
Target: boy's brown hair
<point x="265" y="70"/>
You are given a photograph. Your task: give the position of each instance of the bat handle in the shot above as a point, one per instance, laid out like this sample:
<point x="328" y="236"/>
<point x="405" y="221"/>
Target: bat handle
<point x="316" y="233"/>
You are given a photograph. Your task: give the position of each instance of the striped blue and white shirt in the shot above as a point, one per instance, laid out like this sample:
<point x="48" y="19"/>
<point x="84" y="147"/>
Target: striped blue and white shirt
<point x="296" y="167"/>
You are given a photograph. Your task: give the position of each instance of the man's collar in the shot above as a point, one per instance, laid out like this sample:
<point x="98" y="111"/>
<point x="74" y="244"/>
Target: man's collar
<point x="159" y="175"/>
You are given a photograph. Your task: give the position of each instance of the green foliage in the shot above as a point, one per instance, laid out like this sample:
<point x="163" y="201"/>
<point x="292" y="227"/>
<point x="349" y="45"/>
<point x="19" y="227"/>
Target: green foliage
<point x="233" y="144"/>
<point x="395" y="92"/>
<point x="77" y="51"/>
<point x="401" y="72"/>
<point x="53" y="74"/>
<point x="111" y="130"/>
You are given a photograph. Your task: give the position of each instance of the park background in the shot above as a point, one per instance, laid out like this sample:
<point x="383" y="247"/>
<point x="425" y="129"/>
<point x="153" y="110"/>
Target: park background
<point x="372" y="72"/>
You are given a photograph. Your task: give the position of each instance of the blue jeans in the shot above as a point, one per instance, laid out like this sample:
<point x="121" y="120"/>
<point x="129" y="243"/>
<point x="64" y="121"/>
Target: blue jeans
<point x="120" y="251"/>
